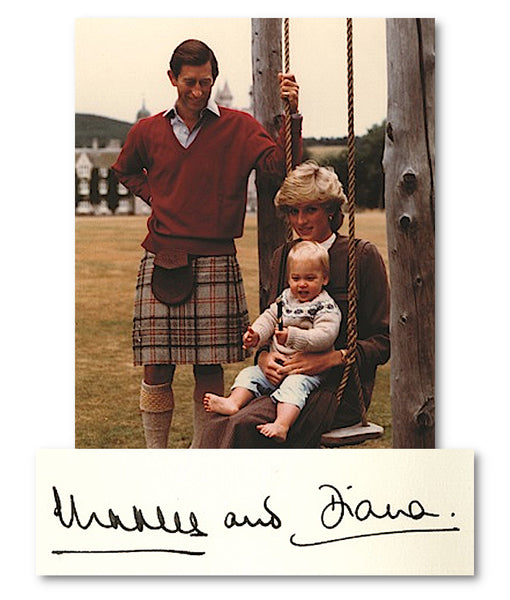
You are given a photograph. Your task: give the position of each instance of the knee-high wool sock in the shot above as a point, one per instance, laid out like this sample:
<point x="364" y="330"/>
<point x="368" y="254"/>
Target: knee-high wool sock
<point x="157" y="407"/>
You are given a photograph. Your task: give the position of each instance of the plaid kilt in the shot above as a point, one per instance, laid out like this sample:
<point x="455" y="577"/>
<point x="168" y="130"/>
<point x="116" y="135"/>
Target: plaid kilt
<point x="206" y="329"/>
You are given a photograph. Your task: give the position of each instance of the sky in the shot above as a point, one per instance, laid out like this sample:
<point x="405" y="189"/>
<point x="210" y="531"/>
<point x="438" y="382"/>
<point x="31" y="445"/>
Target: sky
<point x="122" y="62"/>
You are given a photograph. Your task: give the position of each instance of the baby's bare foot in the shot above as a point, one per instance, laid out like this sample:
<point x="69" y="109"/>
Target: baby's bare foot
<point x="274" y="430"/>
<point x="220" y="405"/>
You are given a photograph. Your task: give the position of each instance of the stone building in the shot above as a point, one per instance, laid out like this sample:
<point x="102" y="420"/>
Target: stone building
<point x="97" y="191"/>
<point x="224" y="96"/>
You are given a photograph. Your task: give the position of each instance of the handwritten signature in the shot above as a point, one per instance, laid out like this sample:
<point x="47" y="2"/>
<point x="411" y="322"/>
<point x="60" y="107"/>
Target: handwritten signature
<point x="336" y="511"/>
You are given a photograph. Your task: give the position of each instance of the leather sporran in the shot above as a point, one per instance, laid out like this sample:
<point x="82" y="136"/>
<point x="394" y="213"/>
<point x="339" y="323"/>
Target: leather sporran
<point x="172" y="278"/>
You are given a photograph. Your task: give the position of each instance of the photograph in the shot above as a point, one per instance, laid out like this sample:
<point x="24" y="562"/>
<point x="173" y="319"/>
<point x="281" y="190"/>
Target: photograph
<point x="227" y="142"/>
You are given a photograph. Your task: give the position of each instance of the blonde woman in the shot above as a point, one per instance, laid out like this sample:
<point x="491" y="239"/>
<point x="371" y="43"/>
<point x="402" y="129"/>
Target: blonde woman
<point x="311" y="198"/>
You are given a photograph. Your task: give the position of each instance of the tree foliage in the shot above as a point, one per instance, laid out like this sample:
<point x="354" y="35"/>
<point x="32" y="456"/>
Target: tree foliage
<point x="368" y="154"/>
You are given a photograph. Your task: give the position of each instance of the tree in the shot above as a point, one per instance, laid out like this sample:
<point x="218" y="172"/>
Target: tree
<point x="369" y="172"/>
<point x="266" y="63"/>
<point x="410" y="213"/>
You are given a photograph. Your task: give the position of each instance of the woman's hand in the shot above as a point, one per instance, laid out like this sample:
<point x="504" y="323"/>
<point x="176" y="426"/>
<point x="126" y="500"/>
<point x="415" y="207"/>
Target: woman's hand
<point x="312" y="363"/>
<point x="271" y="365"/>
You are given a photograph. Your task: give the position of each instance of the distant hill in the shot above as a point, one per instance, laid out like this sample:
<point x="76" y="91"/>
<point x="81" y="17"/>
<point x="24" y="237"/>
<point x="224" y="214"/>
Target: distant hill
<point x="104" y="129"/>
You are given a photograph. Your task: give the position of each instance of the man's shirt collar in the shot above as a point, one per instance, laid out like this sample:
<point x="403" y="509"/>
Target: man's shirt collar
<point x="211" y="107"/>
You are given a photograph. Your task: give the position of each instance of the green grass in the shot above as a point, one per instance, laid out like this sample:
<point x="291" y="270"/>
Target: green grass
<point x="107" y="385"/>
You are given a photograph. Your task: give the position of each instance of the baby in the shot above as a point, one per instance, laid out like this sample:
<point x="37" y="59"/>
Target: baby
<point x="303" y="319"/>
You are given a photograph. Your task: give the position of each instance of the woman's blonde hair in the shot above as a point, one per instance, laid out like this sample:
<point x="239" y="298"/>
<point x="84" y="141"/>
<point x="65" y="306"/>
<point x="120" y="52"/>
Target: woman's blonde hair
<point x="310" y="183"/>
<point x="307" y="250"/>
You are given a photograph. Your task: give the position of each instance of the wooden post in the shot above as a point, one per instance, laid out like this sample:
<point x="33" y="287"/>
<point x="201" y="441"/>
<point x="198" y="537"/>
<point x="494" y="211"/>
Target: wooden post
<point x="266" y="64"/>
<point x="409" y="193"/>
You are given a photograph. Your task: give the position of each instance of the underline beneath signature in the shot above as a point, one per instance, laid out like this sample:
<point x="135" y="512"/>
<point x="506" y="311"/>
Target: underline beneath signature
<point x="365" y="535"/>
<point x="129" y="551"/>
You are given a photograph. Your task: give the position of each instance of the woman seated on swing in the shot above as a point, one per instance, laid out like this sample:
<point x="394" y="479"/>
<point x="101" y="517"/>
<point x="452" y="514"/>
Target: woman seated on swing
<point x="311" y="197"/>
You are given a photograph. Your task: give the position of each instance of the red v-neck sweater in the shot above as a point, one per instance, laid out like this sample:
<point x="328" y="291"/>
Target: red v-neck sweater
<point x="198" y="194"/>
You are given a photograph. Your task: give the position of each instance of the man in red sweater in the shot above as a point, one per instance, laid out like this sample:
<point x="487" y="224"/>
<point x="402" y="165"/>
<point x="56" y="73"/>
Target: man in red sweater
<point x="191" y="164"/>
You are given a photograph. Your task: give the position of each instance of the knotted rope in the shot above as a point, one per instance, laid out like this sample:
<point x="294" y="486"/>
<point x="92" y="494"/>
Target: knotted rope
<point x="287" y="116"/>
<point x="351" y="367"/>
<point x="286" y="69"/>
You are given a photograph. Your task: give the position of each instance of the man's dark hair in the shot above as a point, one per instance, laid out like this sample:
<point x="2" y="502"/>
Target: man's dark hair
<point x="195" y="53"/>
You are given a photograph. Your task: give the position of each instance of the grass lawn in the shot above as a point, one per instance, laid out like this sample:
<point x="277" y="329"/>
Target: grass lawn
<point x="107" y="385"/>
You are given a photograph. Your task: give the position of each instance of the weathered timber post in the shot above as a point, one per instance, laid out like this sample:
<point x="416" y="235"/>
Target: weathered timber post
<point x="266" y="64"/>
<point x="410" y="214"/>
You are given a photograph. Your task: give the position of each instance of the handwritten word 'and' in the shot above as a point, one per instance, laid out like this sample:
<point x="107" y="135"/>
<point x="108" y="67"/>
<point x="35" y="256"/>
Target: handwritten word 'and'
<point x="337" y="509"/>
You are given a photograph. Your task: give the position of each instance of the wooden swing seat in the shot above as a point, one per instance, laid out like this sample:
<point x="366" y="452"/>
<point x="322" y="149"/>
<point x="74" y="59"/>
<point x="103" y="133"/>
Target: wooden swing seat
<point x="355" y="434"/>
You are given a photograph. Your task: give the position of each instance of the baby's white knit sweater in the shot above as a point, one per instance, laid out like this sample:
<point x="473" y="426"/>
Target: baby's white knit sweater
<point x="312" y="326"/>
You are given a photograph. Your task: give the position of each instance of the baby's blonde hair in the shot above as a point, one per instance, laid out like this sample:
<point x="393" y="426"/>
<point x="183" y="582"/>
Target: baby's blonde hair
<point x="307" y="250"/>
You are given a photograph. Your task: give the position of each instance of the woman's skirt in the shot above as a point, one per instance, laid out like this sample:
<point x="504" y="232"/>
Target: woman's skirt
<point x="320" y="414"/>
<point x="206" y="329"/>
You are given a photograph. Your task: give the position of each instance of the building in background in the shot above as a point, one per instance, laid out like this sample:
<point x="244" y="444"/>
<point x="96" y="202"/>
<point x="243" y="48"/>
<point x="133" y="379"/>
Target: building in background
<point x="98" y="143"/>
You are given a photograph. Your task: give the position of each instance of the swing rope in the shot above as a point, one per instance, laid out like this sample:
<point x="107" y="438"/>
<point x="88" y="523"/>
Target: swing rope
<point x="287" y="115"/>
<point x="351" y="366"/>
<point x="288" y="132"/>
